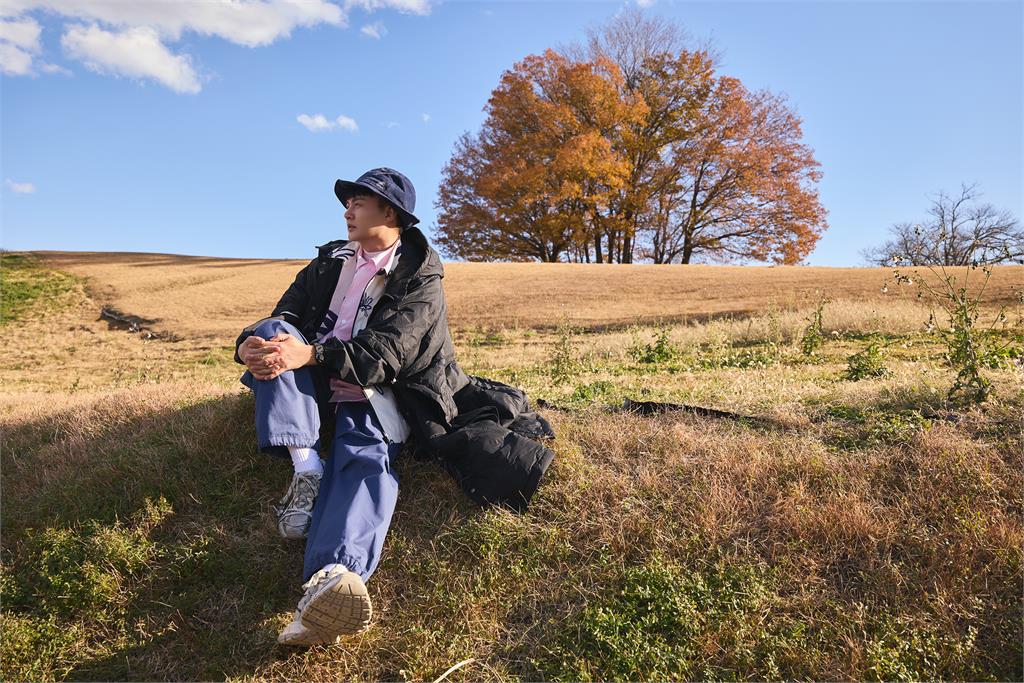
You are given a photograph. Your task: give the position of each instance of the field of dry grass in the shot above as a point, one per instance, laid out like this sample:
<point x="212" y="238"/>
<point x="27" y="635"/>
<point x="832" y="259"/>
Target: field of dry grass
<point x="863" y="529"/>
<point x="207" y="297"/>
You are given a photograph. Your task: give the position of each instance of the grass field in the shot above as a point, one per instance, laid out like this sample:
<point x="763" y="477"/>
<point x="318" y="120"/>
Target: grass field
<point x="865" y="529"/>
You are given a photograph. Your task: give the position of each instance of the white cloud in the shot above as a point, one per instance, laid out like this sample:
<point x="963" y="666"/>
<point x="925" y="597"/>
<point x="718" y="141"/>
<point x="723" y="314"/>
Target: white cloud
<point x="14" y="61"/>
<point x="347" y="123"/>
<point x="13" y="8"/>
<point x="135" y="52"/>
<point x="103" y="30"/>
<point x="644" y="3"/>
<point x="315" y="123"/>
<point x="20" y="188"/>
<point x="246" y="22"/>
<point x="404" y="6"/>
<point x="392" y="124"/>
<point x="374" y="30"/>
<point x="19" y="42"/>
<point x="53" y="69"/>
<point x="425" y="117"/>
<point x="318" y="122"/>
<point x="24" y="33"/>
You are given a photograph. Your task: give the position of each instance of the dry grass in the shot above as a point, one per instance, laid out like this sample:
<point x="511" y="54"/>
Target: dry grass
<point x="203" y="297"/>
<point x="868" y="530"/>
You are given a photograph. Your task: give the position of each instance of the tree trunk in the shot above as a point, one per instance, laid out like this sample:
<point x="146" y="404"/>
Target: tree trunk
<point x="597" y="249"/>
<point x="687" y="247"/>
<point x="627" y="250"/>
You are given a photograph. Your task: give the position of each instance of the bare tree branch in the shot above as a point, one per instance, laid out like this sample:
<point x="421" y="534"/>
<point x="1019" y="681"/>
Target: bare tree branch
<point x="960" y="232"/>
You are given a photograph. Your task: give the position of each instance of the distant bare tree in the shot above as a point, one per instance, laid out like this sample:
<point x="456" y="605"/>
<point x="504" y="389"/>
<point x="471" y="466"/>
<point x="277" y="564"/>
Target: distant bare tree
<point x="958" y="233"/>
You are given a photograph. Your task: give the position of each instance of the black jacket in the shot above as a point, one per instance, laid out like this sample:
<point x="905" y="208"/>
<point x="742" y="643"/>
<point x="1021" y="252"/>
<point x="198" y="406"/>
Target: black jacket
<point x="482" y="431"/>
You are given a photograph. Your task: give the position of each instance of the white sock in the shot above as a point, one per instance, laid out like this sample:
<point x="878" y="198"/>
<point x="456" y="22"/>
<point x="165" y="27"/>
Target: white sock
<point x="329" y="567"/>
<point x="305" y="459"/>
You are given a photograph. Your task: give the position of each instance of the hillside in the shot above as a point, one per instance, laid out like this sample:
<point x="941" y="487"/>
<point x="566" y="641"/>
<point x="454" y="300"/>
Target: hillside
<point x="215" y="297"/>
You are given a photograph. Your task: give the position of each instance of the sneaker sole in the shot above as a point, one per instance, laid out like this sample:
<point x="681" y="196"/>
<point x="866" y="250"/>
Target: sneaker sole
<point x="342" y="607"/>
<point x="308" y="639"/>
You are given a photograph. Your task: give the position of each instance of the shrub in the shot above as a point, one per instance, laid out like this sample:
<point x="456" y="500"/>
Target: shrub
<point x="868" y="362"/>
<point x="588" y="393"/>
<point x="660" y="351"/>
<point x="563" y="362"/>
<point x="968" y="348"/>
<point x="813" y="336"/>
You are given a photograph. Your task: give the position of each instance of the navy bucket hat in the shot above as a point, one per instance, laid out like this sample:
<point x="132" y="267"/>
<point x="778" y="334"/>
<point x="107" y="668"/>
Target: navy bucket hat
<point x="387" y="183"/>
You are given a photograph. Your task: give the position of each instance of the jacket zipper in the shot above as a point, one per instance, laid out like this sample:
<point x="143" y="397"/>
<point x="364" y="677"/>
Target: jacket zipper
<point x="383" y="430"/>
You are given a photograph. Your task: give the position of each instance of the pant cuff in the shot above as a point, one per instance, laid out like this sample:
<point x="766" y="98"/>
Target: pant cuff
<point x="289" y="439"/>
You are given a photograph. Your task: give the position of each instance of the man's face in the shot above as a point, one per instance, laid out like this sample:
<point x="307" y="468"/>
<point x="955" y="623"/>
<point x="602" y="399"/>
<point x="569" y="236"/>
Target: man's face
<point x="366" y="218"/>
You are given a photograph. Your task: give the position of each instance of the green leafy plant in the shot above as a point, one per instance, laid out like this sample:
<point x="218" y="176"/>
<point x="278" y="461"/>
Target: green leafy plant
<point x="969" y="347"/>
<point x="661" y="350"/>
<point x="868" y="362"/>
<point x="588" y="393"/>
<point x="563" y="363"/>
<point x="813" y="336"/>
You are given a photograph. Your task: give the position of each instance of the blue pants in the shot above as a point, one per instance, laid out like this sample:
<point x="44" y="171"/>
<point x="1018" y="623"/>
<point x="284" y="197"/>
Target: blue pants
<point x="358" y="491"/>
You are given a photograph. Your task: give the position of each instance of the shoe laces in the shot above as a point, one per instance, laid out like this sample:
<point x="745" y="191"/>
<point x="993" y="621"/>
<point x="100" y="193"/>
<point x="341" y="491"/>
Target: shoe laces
<point x="301" y="491"/>
<point x="314" y="582"/>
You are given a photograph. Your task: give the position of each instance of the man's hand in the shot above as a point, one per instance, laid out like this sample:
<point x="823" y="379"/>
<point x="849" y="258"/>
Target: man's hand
<point x="260" y="356"/>
<point x="293" y="353"/>
<point x="268" y="358"/>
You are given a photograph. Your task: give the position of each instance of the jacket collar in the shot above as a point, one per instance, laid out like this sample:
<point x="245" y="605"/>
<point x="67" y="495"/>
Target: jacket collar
<point x="384" y="261"/>
<point x="418" y="259"/>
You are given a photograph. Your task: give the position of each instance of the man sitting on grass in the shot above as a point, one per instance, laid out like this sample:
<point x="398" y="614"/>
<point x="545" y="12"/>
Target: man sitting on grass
<point x="312" y="362"/>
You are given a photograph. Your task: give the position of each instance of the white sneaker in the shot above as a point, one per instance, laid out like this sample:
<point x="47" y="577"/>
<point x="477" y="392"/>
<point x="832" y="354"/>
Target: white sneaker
<point x="336" y="602"/>
<point x="297" y="634"/>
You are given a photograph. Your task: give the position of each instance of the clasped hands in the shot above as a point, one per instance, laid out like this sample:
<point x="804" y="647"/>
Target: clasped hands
<point x="268" y="358"/>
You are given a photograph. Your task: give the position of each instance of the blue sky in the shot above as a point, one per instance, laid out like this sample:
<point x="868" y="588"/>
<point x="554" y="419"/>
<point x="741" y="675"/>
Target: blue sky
<point x="145" y="127"/>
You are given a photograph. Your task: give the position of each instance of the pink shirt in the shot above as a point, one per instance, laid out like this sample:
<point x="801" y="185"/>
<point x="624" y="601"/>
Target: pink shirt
<point x="345" y="307"/>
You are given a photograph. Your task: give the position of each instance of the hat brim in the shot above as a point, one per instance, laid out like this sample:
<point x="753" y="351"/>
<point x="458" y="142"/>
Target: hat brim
<point x="343" y="189"/>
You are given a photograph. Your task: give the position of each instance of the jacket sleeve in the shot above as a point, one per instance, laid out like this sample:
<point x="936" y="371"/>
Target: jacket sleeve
<point x="296" y="298"/>
<point x="289" y="306"/>
<point x="381" y="350"/>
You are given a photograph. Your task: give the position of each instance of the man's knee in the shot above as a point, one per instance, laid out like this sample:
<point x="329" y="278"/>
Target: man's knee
<point x="270" y="328"/>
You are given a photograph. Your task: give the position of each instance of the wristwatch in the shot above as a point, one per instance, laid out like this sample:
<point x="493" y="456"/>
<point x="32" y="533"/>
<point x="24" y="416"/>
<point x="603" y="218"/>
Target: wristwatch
<point x="318" y="353"/>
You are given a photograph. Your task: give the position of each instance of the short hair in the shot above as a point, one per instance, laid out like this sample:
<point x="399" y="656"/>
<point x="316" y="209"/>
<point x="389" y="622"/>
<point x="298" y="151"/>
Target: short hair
<point x="382" y="203"/>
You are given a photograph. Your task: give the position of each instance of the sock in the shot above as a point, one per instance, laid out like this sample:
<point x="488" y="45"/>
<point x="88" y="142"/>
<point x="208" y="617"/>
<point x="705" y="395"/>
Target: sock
<point x="331" y="566"/>
<point x="305" y="459"/>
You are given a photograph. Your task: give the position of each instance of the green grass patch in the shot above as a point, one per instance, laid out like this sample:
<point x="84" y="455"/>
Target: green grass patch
<point x="857" y="428"/>
<point x="85" y="568"/>
<point x="667" y="621"/>
<point x="29" y="288"/>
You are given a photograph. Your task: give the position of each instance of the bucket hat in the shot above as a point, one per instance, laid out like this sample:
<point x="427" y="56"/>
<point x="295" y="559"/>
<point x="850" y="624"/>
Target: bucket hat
<point x="387" y="183"/>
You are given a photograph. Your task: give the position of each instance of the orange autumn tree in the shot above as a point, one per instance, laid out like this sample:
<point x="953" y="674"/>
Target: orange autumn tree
<point x="541" y="170"/>
<point x="630" y="147"/>
<point x="741" y="185"/>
